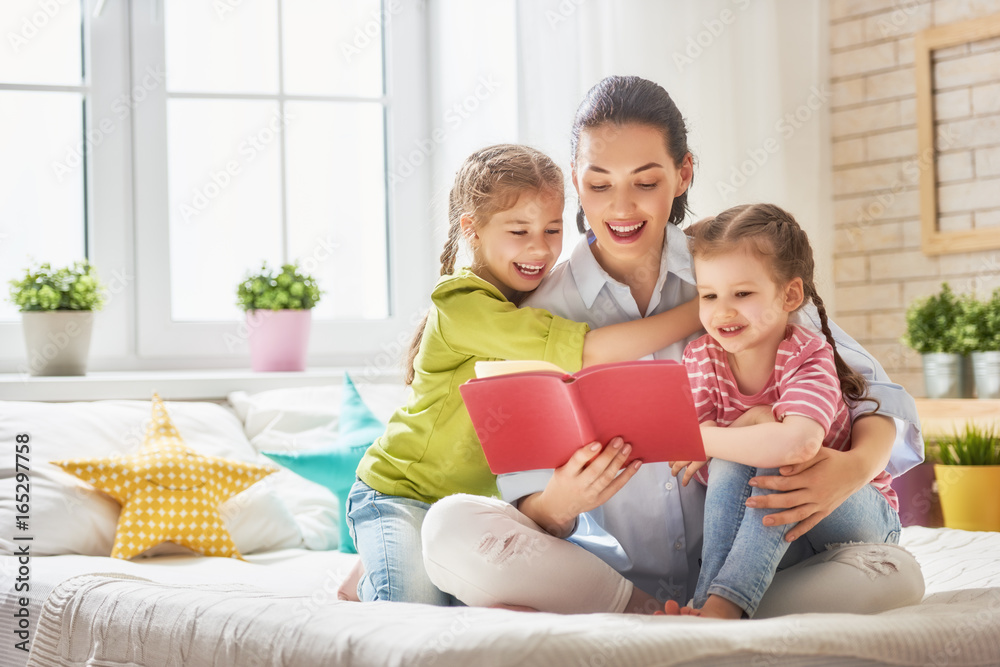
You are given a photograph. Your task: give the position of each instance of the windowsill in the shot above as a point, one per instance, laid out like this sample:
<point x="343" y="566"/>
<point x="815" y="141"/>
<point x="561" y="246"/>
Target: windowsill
<point x="171" y="385"/>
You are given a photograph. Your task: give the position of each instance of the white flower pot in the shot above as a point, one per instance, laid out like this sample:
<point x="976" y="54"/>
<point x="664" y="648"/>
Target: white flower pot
<point x="944" y="375"/>
<point x="986" y="367"/>
<point x="57" y="341"/>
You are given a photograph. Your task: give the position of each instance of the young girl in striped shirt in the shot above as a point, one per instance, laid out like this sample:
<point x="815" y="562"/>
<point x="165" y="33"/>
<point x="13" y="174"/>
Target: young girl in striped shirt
<point x="786" y="386"/>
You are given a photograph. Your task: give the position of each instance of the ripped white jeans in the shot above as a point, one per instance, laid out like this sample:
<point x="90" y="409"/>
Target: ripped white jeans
<point x="485" y="552"/>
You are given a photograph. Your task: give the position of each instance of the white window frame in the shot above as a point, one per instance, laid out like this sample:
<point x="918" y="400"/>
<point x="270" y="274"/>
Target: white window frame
<point x="375" y="345"/>
<point x="108" y="193"/>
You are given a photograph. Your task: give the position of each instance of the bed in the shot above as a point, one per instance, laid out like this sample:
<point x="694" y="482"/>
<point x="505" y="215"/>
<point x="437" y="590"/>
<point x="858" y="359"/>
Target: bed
<point x="278" y="606"/>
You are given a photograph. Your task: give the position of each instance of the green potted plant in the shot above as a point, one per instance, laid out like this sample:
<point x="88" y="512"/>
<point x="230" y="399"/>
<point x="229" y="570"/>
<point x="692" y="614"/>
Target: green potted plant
<point x="278" y="307"/>
<point x="57" y="315"/>
<point x="979" y="330"/>
<point x="968" y="478"/>
<point x="931" y="330"/>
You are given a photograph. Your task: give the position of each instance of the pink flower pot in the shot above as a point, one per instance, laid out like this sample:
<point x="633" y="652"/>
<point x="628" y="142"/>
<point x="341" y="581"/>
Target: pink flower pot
<point x="279" y="339"/>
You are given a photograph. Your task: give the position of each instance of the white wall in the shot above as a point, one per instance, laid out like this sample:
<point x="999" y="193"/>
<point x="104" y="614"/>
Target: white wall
<point x="750" y="76"/>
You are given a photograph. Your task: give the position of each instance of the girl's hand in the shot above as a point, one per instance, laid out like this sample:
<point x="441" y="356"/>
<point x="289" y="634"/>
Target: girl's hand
<point x="758" y="414"/>
<point x="586" y="481"/>
<point x="692" y="468"/>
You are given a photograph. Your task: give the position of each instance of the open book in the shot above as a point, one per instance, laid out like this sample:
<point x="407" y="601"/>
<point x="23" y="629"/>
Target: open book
<point x="536" y="415"/>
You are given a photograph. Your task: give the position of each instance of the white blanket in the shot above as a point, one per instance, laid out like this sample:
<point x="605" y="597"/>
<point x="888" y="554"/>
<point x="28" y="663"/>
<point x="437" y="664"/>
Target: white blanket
<point x="104" y="620"/>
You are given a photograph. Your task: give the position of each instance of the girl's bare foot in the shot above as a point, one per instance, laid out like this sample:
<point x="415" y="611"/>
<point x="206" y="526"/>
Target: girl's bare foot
<point x="348" y="589"/>
<point x="671" y="608"/>
<point x="719" y="607"/>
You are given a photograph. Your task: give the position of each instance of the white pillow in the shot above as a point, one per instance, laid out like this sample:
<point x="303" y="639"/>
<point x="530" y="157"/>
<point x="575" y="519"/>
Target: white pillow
<point x="302" y="418"/>
<point x="67" y="516"/>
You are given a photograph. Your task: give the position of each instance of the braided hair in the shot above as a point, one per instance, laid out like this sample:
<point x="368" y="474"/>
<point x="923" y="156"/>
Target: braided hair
<point x="772" y="234"/>
<point x="489" y="181"/>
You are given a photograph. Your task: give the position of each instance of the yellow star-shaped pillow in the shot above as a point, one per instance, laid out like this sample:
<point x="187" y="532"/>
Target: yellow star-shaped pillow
<point x="168" y="491"/>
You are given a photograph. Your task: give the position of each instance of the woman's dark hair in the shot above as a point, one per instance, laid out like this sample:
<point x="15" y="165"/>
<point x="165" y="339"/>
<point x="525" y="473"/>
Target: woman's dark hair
<point x="772" y="234"/>
<point x="631" y="100"/>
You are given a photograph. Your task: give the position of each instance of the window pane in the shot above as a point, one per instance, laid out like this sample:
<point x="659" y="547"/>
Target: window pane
<point x="224" y="174"/>
<point x="41" y="183"/>
<point x="333" y="48"/>
<point x="336" y="204"/>
<point x="41" y="42"/>
<point x="221" y="47"/>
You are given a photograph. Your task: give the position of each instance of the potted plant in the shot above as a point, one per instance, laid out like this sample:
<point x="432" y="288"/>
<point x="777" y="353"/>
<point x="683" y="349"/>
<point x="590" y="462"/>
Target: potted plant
<point x="57" y="315"/>
<point x="980" y="327"/>
<point x="968" y="478"/>
<point x="931" y="330"/>
<point x="279" y="315"/>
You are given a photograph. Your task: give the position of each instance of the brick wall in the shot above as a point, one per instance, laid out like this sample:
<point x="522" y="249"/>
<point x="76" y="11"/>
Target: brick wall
<point x="878" y="265"/>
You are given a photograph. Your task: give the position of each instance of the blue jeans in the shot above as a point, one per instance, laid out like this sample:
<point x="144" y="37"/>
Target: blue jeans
<point x="386" y="531"/>
<point x="740" y="554"/>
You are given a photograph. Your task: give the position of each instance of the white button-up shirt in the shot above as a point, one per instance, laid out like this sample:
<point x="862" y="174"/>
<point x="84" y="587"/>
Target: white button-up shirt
<point x="651" y="530"/>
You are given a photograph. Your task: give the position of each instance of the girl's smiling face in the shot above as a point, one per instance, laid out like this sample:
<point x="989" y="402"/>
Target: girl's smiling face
<point x="515" y="248"/>
<point x="627" y="182"/>
<point x="740" y="304"/>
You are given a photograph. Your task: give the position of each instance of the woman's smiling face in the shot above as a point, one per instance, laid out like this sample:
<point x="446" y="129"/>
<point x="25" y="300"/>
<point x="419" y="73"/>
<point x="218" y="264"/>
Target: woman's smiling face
<point x="627" y="182"/>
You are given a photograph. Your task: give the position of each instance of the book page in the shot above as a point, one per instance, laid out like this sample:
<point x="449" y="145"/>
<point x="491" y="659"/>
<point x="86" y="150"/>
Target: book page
<point x="486" y="369"/>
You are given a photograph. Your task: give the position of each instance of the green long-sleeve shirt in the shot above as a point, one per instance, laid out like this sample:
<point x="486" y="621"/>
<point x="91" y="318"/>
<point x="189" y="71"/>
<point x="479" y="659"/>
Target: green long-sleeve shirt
<point x="430" y="449"/>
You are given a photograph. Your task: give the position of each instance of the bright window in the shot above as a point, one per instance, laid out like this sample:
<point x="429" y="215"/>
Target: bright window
<point x="180" y="143"/>
<point x="275" y="151"/>
<point x="42" y="175"/>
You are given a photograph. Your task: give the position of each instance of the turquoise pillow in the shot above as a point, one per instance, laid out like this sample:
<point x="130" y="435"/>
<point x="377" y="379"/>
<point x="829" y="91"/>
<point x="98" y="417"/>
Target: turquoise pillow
<point x="336" y="467"/>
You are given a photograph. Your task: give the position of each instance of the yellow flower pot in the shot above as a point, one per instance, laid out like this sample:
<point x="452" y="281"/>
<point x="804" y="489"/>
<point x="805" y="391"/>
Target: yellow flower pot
<point x="970" y="496"/>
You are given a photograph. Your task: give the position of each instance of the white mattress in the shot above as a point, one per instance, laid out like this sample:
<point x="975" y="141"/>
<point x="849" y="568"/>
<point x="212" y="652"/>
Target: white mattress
<point x="278" y="609"/>
<point x="314" y="575"/>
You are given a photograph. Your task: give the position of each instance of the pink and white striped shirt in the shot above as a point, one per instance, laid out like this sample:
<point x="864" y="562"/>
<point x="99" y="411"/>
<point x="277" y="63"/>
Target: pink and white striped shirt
<point x="804" y="383"/>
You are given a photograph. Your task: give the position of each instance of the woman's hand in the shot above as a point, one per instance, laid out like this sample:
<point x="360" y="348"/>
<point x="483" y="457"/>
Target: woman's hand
<point x="810" y="491"/>
<point x="586" y="481"/>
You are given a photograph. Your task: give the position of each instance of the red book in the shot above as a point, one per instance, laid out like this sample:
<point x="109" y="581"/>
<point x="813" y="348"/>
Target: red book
<point x="532" y="419"/>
